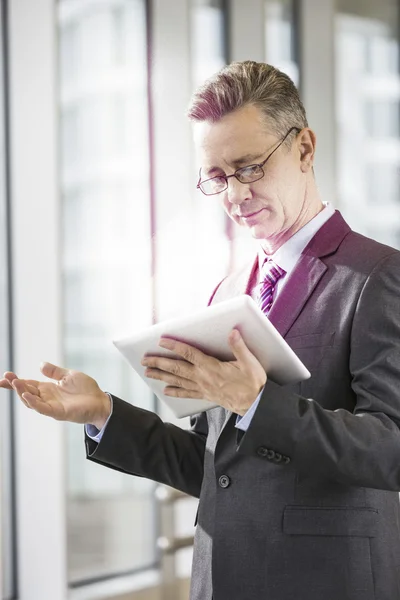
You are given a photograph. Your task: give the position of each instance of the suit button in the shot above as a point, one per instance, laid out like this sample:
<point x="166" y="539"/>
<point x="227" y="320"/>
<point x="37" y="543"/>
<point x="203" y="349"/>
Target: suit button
<point x="270" y="454"/>
<point x="278" y="457"/>
<point x="224" y="481"/>
<point x="262" y="451"/>
<point x="286" y="459"/>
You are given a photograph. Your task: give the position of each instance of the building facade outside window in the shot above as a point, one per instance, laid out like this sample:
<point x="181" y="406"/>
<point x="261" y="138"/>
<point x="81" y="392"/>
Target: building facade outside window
<point x="281" y="37"/>
<point x="368" y="116"/>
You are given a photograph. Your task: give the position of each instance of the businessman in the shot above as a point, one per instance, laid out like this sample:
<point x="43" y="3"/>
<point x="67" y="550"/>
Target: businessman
<point x="298" y="484"/>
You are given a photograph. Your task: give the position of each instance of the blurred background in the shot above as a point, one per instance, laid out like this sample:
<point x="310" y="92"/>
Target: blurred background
<point x="99" y="218"/>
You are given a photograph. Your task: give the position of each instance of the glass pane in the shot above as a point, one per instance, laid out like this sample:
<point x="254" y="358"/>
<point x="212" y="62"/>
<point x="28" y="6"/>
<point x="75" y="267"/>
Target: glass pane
<point x="106" y="263"/>
<point x="209" y="222"/>
<point x="6" y="495"/>
<point x="280" y="37"/>
<point x="199" y="224"/>
<point x="207" y="38"/>
<point x="368" y="114"/>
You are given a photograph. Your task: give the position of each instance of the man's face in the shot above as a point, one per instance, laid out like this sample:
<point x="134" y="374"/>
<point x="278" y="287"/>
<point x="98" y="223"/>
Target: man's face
<point x="279" y="199"/>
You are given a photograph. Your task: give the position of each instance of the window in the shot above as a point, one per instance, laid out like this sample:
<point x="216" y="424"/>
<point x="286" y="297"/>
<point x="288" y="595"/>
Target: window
<point x="210" y="228"/>
<point x="280" y="37"/>
<point x="191" y="221"/>
<point x="368" y="94"/>
<point x="106" y="264"/>
<point x="208" y="39"/>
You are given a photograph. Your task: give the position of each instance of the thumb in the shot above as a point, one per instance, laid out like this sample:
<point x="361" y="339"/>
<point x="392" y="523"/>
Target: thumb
<point x="52" y="371"/>
<point x="238" y="347"/>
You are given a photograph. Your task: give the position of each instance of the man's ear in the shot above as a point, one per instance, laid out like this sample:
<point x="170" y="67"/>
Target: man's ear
<point x="306" y="145"/>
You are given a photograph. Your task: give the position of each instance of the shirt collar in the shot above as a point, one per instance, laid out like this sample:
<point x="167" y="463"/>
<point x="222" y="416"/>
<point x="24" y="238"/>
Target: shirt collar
<point x="289" y="253"/>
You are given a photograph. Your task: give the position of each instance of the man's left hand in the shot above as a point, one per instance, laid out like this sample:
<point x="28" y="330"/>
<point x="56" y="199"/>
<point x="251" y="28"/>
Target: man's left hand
<point x="233" y="385"/>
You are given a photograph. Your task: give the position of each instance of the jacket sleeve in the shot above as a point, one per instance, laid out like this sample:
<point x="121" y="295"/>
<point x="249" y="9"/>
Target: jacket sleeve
<point x="138" y="442"/>
<point x="360" y="448"/>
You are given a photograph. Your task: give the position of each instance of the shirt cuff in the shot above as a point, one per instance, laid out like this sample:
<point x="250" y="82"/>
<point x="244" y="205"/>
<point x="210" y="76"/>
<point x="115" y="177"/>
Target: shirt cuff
<point x="244" y="422"/>
<point x="93" y="432"/>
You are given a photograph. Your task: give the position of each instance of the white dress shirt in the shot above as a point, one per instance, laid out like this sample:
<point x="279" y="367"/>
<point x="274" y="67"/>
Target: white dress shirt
<point x="286" y="257"/>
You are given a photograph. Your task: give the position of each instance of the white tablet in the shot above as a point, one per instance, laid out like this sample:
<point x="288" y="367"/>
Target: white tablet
<point x="208" y="330"/>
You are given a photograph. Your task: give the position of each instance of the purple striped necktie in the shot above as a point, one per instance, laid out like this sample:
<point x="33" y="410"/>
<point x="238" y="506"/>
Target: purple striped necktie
<point x="270" y="274"/>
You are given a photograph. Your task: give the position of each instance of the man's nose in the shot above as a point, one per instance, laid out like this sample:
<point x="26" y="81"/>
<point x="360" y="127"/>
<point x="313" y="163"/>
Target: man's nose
<point x="237" y="192"/>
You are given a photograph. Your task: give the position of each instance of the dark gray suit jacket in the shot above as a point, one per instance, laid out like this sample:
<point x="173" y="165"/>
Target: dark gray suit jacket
<point x="304" y="505"/>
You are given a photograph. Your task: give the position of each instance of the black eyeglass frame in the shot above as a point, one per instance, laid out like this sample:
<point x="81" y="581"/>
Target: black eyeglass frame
<point x="235" y="174"/>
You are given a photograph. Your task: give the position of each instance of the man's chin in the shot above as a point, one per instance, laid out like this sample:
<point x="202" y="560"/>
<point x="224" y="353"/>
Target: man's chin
<point x="261" y="232"/>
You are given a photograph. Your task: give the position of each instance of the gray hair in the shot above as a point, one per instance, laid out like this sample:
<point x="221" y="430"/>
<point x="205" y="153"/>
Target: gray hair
<point x="250" y="83"/>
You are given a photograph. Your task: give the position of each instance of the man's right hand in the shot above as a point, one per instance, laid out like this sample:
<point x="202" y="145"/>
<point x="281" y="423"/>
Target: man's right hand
<point x="74" y="397"/>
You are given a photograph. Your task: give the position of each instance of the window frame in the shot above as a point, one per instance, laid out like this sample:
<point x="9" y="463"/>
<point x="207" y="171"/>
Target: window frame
<point x="8" y="563"/>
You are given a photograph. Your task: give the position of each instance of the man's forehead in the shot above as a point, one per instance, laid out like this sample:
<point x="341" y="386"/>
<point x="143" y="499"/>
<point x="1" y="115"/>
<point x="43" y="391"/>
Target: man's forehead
<point x="244" y="123"/>
<point x="234" y="145"/>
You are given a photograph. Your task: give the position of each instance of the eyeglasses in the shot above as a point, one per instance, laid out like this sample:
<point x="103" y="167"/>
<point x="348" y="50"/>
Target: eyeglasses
<point x="218" y="184"/>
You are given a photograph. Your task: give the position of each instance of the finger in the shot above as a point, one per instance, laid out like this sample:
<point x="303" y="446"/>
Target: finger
<point x="38" y="405"/>
<point x="171" y="365"/>
<point x="19" y="387"/>
<point x="173" y="380"/>
<point x="33" y="389"/>
<point x="24" y="385"/>
<point x="239" y="348"/>
<point x="189" y="353"/>
<point x="10" y="375"/>
<point x="12" y="387"/>
<point x="23" y="400"/>
<point x="7" y="380"/>
<point x="31" y="385"/>
<point x="32" y="382"/>
<point x="52" y="371"/>
<point x="4" y="383"/>
<point x="183" y="393"/>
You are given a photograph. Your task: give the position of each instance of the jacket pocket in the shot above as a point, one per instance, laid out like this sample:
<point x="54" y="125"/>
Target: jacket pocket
<point x="311" y="340"/>
<point x="330" y="521"/>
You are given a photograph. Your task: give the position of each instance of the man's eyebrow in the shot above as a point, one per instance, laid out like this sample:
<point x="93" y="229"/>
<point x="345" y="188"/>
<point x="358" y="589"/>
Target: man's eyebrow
<point x="243" y="160"/>
<point x="247" y="158"/>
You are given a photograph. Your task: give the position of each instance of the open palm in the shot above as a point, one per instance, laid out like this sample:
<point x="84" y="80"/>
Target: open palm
<point x="74" y="397"/>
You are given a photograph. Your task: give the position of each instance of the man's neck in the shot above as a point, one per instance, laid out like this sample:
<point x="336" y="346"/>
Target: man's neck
<point x="273" y="243"/>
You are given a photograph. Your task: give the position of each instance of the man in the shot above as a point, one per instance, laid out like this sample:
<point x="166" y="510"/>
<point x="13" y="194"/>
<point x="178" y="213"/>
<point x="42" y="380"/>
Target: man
<point x="297" y="484"/>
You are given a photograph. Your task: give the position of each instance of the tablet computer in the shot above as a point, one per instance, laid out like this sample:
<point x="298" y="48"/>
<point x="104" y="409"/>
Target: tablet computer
<point x="208" y="330"/>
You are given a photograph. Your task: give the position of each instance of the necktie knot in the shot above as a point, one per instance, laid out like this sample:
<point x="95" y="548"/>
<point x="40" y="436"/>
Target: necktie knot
<point x="270" y="275"/>
<point x="271" y="271"/>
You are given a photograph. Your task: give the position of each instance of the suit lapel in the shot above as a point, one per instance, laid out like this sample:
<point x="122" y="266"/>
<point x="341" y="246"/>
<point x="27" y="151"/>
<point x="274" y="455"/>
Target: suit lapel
<point x="296" y="292"/>
<point x="305" y="276"/>
<point x="302" y="282"/>
<point x="307" y="273"/>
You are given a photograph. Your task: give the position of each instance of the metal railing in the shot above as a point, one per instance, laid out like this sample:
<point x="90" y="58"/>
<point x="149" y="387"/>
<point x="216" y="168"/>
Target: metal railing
<point x="168" y="543"/>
